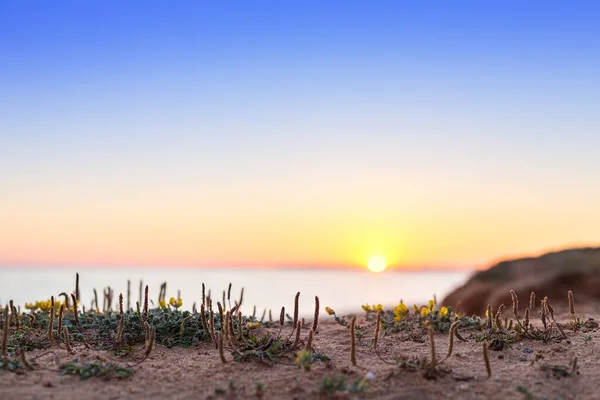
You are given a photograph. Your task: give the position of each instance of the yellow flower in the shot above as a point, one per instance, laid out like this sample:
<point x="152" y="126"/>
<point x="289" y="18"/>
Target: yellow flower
<point x="175" y="303"/>
<point x="252" y="325"/>
<point x="30" y="306"/>
<point x="329" y="310"/>
<point x="443" y="312"/>
<point x="162" y="303"/>
<point x="416" y="309"/>
<point x="366" y="307"/>
<point x="378" y="309"/>
<point x="424" y="312"/>
<point x="400" y="311"/>
<point x="431" y="305"/>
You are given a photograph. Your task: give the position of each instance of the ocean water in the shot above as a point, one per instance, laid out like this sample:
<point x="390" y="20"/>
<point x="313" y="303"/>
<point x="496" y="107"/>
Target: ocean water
<point x="343" y="290"/>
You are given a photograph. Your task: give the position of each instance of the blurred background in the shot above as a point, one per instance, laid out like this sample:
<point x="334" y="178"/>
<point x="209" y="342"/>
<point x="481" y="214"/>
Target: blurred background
<point x="292" y="147"/>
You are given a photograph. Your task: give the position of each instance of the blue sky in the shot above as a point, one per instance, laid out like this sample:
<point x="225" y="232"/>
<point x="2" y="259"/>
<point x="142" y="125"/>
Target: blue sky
<point x="416" y="102"/>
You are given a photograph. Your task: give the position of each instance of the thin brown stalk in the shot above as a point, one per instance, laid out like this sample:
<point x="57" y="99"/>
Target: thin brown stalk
<point x="486" y="360"/>
<point x="296" y="308"/>
<point x="96" y="301"/>
<point x="128" y="295"/>
<point x="543" y="313"/>
<point x="207" y="332"/>
<point x="490" y="317"/>
<point x="151" y="340"/>
<point x="377" y="326"/>
<point x="571" y="304"/>
<point x="526" y="321"/>
<point x="213" y="333"/>
<point x="574" y="370"/>
<point x="532" y="301"/>
<point x="5" y="332"/>
<point x="77" y="294"/>
<point x="67" y="302"/>
<point x="221" y="319"/>
<point x="146" y="303"/>
<point x="147" y="331"/>
<point x="65" y="332"/>
<point x="352" y="341"/>
<point x="228" y="296"/>
<point x="239" y="305"/>
<point x="121" y="320"/>
<point x="24" y="360"/>
<point x="316" y="317"/>
<point x="515" y="304"/>
<point x="60" y="320"/>
<point x="184" y="324"/>
<point x="141" y="291"/>
<point x="239" y="321"/>
<point x="220" y="346"/>
<point x="232" y="338"/>
<point x="431" y="345"/>
<point x="498" y="317"/>
<point x="309" y="341"/>
<point x="51" y="321"/>
<point x="451" y="334"/>
<point x="15" y="315"/>
<point x="297" y="338"/>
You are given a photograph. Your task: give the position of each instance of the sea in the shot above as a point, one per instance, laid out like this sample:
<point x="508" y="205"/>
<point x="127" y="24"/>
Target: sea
<point x="266" y="289"/>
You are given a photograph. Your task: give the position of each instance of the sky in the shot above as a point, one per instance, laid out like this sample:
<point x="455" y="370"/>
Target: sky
<point x="297" y="133"/>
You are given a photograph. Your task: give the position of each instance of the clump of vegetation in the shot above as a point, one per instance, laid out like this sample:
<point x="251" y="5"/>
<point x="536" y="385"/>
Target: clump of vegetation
<point x="95" y="369"/>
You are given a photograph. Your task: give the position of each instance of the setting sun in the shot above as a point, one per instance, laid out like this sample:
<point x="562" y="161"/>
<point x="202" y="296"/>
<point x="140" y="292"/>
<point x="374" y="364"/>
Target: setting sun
<point x="376" y="264"/>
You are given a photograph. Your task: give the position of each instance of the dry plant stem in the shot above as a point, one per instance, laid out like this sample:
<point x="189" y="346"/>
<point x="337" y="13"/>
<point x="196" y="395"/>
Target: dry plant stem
<point x="77" y="295"/>
<point x="296" y="308"/>
<point x="65" y="332"/>
<point x="308" y="346"/>
<point x="352" y="342"/>
<point x="221" y="353"/>
<point x="24" y="360"/>
<point x="121" y="320"/>
<point x="574" y="370"/>
<point x="239" y="305"/>
<point x="60" y="320"/>
<point x="15" y="315"/>
<point x="96" y="301"/>
<point x="543" y="313"/>
<point x="515" y="304"/>
<point x="184" y="324"/>
<point x="67" y="302"/>
<point x="232" y="338"/>
<point x="5" y="332"/>
<point x="431" y="345"/>
<point x="146" y="303"/>
<point x="207" y="332"/>
<point x="451" y="334"/>
<point x="486" y="360"/>
<point x="147" y="332"/>
<point x="228" y="296"/>
<point x="281" y="320"/>
<point x="526" y="321"/>
<point x="239" y="321"/>
<point x="490" y="317"/>
<point x="316" y="317"/>
<point x="221" y="319"/>
<point x="297" y="338"/>
<point x="141" y="290"/>
<point x="150" y="345"/>
<point x="377" y="326"/>
<point x="571" y="305"/>
<point x="51" y="321"/>
<point x="128" y="295"/>
<point x="213" y="334"/>
<point x="532" y="301"/>
<point x="498" y="317"/>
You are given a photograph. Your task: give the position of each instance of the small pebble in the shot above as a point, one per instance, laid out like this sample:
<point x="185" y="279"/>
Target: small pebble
<point x="528" y="351"/>
<point x="568" y="342"/>
<point x="523" y="359"/>
<point x="501" y="357"/>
